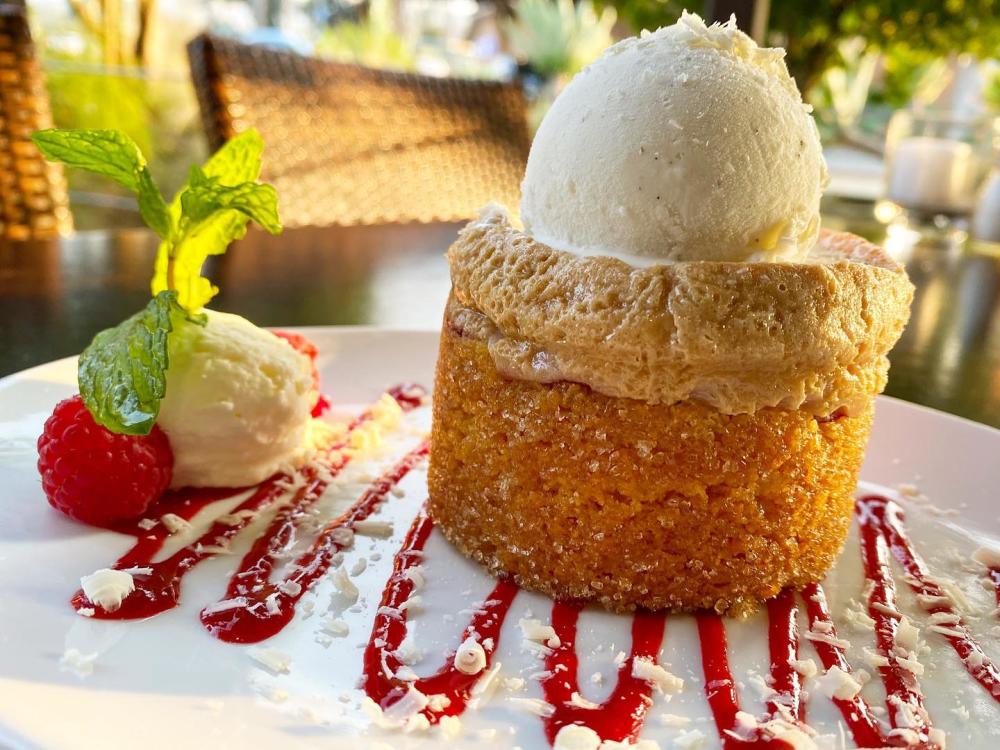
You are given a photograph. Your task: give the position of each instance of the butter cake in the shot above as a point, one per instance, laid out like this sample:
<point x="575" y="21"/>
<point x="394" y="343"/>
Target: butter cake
<point x="679" y="437"/>
<point x="656" y="390"/>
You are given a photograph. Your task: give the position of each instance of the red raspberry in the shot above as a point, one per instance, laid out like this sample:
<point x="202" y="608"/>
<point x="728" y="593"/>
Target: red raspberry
<point x="304" y="346"/>
<point x="95" y="475"/>
<point x="299" y="343"/>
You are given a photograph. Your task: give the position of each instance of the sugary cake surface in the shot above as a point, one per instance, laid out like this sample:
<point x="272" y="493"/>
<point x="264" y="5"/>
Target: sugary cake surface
<point x="737" y="336"/>
<point x="677" y="436"/>
<point x="632" y="504"/>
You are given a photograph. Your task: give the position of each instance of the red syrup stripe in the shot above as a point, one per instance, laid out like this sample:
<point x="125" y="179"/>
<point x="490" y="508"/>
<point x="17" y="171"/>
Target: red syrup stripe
<point x="263" y="608"/>
<point x="159" y="590"/>
<point x="783" y="645"/>
<point x="882" y="531"/>
<point x="784" y="706"/>
<point x="905" y="701"/>
<point x="621" y="716"/>
<point x="389" y="629"/>
<point x="858" y="715"/>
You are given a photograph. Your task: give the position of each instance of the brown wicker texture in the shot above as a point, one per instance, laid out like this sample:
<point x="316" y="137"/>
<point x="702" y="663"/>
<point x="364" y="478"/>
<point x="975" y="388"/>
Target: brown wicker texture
<point x="352" y="145"/>
<point x="33" y="200"/>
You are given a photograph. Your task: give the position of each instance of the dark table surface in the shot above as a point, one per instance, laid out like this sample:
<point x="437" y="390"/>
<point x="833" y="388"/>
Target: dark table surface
<point x="55" y="295"/>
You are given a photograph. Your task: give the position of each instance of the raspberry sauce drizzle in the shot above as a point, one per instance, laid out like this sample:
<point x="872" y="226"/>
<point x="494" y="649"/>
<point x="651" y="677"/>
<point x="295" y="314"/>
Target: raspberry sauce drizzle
<point x="265" y="607"/>
<point x="783" y="645"/>
<point x="720" y="687"/>
<point x="858" y="715"/>
<point x="184" y="504"/>
<point x="389" y="629"/>
<point x="784" y="706"/>
<point x="158" y="590"/>
<point x="621" y="716"/>
<point x="905" y="700"/>
<point x="881" y="523"/>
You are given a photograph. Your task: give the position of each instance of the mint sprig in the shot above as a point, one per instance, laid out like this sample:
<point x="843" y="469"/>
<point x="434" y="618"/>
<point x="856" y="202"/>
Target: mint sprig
<point x="208" y="214"/>
<point x="122" y="373"/>
<point x="205" y="216"/>
<point x="213" y="212"/>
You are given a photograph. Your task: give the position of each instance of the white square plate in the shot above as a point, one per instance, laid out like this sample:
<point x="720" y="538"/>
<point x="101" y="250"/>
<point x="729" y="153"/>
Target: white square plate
<point x="166" y="682"/>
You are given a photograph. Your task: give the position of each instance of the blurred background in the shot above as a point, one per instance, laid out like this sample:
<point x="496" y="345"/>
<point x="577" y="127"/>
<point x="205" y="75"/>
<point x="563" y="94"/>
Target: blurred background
<point x="388" y="123"/>
<point x="875" y="72"/>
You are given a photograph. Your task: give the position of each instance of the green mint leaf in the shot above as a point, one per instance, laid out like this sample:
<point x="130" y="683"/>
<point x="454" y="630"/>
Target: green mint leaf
<point x="123" y="373"/>
<point x="107" y="152"/>
<point x="113" y="154"/>
<point x="152" y="207"/>
<point x="207" y="195"/>
<point x="238" y="160"/>
<point x="211" y="211"/>
<point x="213" y="216"/>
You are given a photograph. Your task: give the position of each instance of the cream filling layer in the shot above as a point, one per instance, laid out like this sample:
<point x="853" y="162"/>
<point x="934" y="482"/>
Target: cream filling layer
<point x="738" y="336"/>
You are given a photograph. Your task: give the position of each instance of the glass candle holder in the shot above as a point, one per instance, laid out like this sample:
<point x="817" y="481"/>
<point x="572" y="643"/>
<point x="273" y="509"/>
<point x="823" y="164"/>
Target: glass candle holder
<point x="936" y="163"/>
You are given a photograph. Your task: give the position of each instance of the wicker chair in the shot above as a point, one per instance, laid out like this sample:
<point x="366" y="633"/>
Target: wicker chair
<point x="351" y="145"/>
<point x="33" y="200"/>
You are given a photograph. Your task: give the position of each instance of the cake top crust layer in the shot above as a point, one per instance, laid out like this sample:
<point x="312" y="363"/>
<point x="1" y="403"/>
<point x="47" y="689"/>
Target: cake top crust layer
<point x="740" y="336"/>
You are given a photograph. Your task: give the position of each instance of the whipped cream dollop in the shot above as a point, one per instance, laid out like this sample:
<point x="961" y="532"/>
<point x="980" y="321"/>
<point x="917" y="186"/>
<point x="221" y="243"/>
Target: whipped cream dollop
<point x="688" y="143"/>
<point x="238" y="403"/>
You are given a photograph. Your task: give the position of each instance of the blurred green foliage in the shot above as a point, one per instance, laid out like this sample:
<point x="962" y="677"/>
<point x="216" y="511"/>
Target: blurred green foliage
<point x="650" y="14"/>
<point x="903" y="67"/>
<point x="911" y="32"/>
<point x="160" y="113"/>
<point x="373" y="42"/>
<point x="992" y="93"/>
<point x="558" y="37"/>
<point x="82" y="96"/>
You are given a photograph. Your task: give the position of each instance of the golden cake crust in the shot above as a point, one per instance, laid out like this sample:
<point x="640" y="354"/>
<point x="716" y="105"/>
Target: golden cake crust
<point x="582" y="495"/>
<point x="737" y="336"/>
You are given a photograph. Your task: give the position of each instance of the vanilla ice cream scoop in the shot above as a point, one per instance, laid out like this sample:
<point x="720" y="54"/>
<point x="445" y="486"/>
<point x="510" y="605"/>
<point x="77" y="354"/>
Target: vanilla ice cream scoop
<point x="689" y="143"/>
<point x="238" y="402"/>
